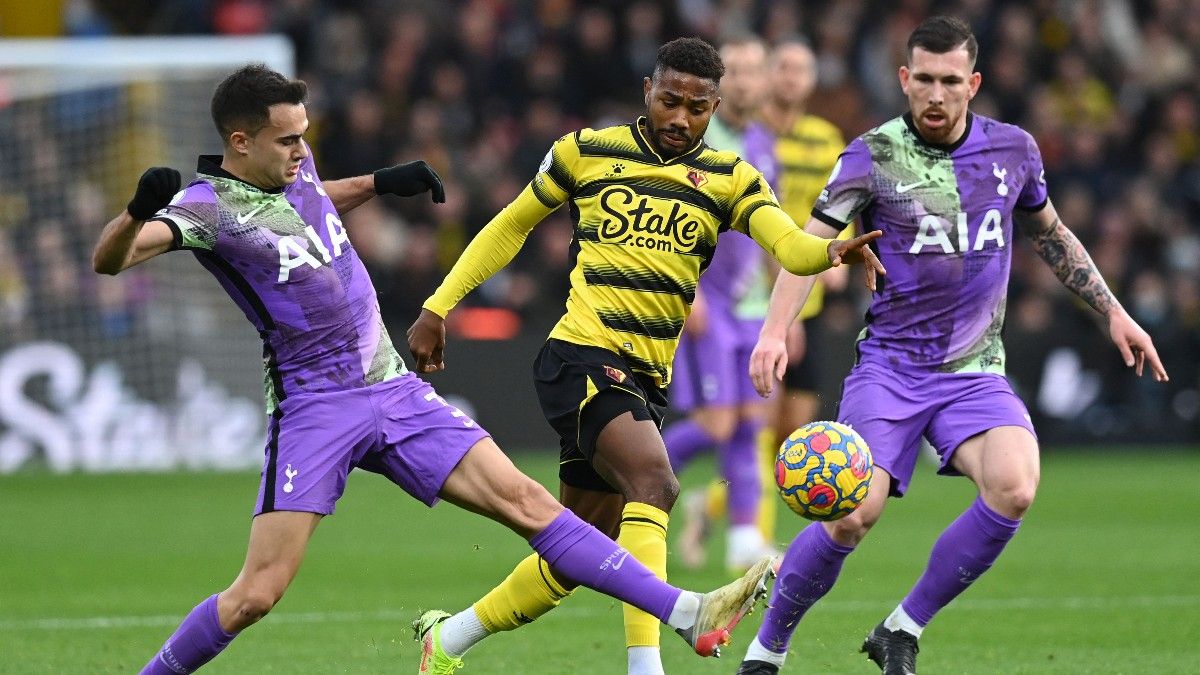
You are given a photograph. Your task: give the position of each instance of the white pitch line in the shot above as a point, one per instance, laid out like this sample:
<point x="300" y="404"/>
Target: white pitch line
<point x="404" y="616"/>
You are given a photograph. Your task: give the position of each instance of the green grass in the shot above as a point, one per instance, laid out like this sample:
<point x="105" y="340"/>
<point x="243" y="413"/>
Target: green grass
<point x="95" y="571"/>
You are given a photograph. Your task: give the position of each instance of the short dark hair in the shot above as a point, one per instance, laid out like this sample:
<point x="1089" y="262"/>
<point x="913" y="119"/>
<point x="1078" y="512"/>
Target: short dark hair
<point x="941" y="34"/>
<point x="690" y="55"/>
<point x="242" y="100"/>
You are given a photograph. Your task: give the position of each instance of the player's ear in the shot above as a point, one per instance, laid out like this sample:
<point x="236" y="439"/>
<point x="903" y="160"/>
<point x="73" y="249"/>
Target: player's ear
<point x="973" y="83"/>
<point x="647" y="83"/>
<point x="240" y="142"/>
<point x="904" y="74"/>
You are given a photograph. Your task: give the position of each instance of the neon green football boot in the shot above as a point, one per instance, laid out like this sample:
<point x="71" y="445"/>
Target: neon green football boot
<point x="434" y="660"/>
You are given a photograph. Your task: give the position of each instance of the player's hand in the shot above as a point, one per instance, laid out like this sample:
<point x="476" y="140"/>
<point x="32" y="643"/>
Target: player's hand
<point x="857" y="250"/>
<point x="767" y="363"/>
<point x="155" y="189"/>
<point x="1135" y="344"/>
<point x="427" y="341"/>
<point x="408" y="180"/>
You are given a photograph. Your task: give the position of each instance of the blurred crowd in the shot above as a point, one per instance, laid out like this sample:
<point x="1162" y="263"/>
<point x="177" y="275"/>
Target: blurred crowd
<point x="481" y="88"/>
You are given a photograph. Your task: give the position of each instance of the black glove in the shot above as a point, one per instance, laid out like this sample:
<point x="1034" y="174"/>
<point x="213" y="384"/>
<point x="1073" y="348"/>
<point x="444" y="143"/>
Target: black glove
<point x="154" y="191"/>
<point x="409" y="179"/>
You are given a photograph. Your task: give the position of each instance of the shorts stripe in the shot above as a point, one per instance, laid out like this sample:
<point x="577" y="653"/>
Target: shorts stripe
<point x="268" y="504"/>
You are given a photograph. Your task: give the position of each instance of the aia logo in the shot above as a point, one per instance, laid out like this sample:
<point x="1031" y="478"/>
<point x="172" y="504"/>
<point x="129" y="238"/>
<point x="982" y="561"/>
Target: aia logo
<point x="698" y="178"/>
<point x="614" y="374"/>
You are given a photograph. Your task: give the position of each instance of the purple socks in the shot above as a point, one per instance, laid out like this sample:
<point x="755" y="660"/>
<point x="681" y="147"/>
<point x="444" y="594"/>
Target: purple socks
<point x="197" y="640"/>
<point x="684" y="440"/>
<point x="739" y="462"/>
<point x="740" y="467"/>
<point x="810" y="567"/>
<point x="964" y="551"/>
<point x="584" y="555"/>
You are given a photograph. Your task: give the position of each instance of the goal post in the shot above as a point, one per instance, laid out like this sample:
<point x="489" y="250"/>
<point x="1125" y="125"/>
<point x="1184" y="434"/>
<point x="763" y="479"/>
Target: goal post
<point x="154" y="369"/>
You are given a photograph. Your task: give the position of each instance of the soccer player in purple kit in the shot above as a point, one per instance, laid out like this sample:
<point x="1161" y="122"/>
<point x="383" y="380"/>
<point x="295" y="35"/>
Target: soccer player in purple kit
<point x="339" y="396"/>
<point x="710" y="380"/>
<point x="945" y="187"/>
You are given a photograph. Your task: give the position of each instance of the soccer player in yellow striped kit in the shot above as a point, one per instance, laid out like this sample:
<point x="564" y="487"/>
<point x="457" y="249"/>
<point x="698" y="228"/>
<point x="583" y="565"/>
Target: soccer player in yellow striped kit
<point x="647" y="200"/>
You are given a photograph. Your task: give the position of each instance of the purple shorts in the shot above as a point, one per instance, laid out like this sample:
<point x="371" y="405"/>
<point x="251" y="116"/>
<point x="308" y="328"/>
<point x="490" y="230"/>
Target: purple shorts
<point x="399" y="428"/>
<point x="893" y="410"/>
<point x="713" y="369"/>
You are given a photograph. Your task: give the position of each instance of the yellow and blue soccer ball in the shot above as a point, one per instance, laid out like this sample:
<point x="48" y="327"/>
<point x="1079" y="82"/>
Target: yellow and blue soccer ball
<point x="824" y="470"/>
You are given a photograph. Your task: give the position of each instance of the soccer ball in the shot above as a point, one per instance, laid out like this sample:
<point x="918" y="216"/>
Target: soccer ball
<point x="823" y="470"/>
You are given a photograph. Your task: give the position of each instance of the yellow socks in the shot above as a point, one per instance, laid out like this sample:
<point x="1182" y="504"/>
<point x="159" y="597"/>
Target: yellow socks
<point x="768" y="506"/>
<point x="644" y="535"/>
<point x="529" y="592"/>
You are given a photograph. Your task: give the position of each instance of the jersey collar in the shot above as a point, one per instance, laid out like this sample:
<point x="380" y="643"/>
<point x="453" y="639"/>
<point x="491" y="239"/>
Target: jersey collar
<point x="947" y="147"/>
<point x="210" y="165"/>
<point x="647" y="148"/>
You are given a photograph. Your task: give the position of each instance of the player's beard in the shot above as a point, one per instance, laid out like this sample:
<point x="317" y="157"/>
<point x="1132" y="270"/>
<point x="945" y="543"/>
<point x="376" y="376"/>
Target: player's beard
<point x="940" y="134"/>
<point x="665" y="149"/>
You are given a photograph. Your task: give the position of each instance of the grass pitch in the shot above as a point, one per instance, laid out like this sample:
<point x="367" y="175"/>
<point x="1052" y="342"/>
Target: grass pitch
<point x="96" y="571"/>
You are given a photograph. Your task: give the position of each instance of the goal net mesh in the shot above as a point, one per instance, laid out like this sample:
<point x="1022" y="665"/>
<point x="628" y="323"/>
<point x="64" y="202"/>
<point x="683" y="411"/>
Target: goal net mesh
<point x="152" y="369"/>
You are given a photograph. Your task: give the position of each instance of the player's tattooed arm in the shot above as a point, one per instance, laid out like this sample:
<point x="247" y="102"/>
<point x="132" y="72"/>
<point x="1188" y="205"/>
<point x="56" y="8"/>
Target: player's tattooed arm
<point x="1074" y="267"/>
<point x="1065" y="255"/>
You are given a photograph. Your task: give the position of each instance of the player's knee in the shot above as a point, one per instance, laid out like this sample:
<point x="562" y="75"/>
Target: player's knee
<point x="852" y="529"/>
<point x="659" y="489"/>
<point x="530" y="507"/>
<point x="1012" y="501"/>
<point x="251" y="605"/>
<point x="721" y="430"/>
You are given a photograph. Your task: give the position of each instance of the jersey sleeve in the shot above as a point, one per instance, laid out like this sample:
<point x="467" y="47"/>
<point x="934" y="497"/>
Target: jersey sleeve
<point x="493" y="248"/>
<point x="555" y="181"/>
<point x="1033" y="194"/>
<point x="848" y="190"/>
<point x="751" y="191"/>
<point x="193" y="217"/>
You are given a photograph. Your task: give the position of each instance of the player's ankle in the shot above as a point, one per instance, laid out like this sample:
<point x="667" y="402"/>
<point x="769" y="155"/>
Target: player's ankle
<point x="685" y="611"/>
<point x="645" y="660"/>
<point x="900" y="620"/>
<point x="461" y="632"/>
<point x="757" y="652"/>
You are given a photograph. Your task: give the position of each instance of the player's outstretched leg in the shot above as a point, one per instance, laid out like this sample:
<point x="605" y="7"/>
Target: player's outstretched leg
<point x="809" y="569"/>
<point x="277" y="543"/>
<point x="486" y="482"/>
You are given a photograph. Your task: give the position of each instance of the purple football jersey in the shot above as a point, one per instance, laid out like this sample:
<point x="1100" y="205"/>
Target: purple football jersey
<point x="946" y="214"/>
<point x="735" y="283"/>
<point x="284" y="258"/>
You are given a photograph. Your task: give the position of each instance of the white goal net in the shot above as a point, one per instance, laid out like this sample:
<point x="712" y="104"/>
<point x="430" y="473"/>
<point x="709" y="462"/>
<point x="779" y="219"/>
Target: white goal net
<point x="153" y="369"/>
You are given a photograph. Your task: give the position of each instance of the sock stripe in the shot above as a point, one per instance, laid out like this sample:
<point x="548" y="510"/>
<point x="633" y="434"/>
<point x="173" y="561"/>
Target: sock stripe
<point x="637" y="519"/>
<point x="548" y="579"/>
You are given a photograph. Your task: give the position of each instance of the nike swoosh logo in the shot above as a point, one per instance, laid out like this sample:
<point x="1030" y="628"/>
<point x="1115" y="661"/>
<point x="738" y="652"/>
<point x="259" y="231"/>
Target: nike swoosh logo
<point x="242" y="218"/>
<point x="901" y="188"/>
<point x="617" y="565"/>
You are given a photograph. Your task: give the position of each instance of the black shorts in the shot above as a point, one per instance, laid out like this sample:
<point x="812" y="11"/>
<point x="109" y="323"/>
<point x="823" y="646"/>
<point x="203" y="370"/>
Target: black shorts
<point x="582" y="389"/>
<point x="804" y="375"/>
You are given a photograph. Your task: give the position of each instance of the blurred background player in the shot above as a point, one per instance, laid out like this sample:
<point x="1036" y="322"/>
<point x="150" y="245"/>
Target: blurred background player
<point x="805" y="149"/>
<point x="711" y="381"/>
<point x="931" y="362"/>
<point x="262" y="221"/>
<point x="648" y="200"/>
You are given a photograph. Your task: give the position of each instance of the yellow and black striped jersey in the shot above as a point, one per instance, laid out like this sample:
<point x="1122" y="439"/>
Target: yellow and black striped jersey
<point x="644" y="229"/>
<point x="806" y="155"/>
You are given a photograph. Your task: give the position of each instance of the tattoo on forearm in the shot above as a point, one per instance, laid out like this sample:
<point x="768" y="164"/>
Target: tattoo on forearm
<point x="1071" y="263"/>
